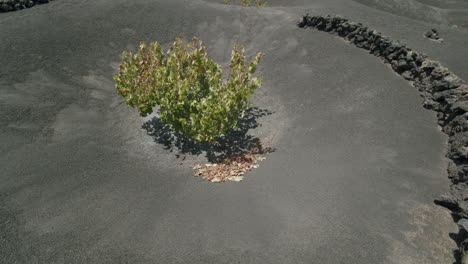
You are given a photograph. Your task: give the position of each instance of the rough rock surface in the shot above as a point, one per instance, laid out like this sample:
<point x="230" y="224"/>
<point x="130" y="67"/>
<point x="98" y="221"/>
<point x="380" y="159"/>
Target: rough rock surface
<point x="433" y="34"/>
<point x="443" y="92"/>
<point x="14" y="5"/>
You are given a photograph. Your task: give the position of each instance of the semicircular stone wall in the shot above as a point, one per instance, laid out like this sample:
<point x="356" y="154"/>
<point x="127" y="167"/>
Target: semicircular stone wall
<point x="443" y="92"/>
<point x="14" y="5"/>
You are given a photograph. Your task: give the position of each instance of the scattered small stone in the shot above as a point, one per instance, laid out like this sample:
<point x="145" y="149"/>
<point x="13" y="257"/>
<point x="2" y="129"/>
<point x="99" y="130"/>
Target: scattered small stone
<point x="433" y="35"/>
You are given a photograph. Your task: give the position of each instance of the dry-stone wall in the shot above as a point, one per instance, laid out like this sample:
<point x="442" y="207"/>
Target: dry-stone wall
<point x="442" y="91"/>
<point x="14" y="5"/>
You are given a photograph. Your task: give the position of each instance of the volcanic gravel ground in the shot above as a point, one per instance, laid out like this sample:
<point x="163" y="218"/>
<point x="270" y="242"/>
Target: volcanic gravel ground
<point x="357" y="165"/>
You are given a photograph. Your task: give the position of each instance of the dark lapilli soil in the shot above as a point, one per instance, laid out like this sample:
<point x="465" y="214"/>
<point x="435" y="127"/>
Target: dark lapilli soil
<point x="443" y="92"/>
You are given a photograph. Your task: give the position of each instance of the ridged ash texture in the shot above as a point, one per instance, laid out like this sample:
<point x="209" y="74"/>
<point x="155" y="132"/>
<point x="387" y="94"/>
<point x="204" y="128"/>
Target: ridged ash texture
<point x="442" y="91"/>
<point x="14" y="5"/>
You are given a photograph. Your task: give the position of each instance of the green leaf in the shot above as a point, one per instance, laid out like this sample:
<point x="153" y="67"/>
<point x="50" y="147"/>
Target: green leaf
<point x="188" y="87"/>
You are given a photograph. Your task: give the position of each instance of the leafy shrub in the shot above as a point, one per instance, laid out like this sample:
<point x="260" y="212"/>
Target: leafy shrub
<point x="188" y="87"/>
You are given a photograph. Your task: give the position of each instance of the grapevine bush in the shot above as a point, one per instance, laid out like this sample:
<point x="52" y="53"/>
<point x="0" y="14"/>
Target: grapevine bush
<point x="188" y="87"/>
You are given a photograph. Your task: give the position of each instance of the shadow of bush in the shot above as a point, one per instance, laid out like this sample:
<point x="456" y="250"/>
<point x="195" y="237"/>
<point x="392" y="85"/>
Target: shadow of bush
<point x="235" y="143"/>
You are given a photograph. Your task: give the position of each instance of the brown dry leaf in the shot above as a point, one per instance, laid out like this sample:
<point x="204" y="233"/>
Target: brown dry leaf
<point x="236" y="178"/>
<point x="232" y="168"/>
